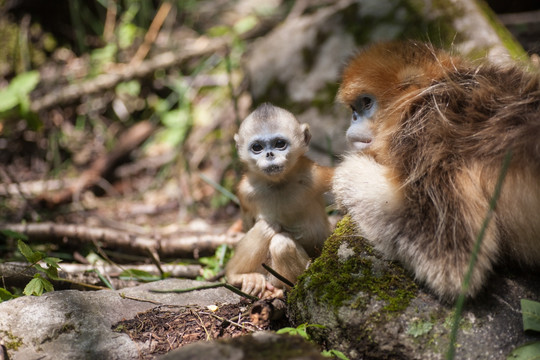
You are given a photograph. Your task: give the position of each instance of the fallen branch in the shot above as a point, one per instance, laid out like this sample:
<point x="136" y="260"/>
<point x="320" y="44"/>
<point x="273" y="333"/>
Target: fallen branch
<point x="128" y="141"/>
<point x="206" y="287"/>
<point x="151" y="34"/>
<point x="19" y="274"/>
<point x="166" y="247"/>
<point x="107" y="81"/>
<point x="179" y="271"/>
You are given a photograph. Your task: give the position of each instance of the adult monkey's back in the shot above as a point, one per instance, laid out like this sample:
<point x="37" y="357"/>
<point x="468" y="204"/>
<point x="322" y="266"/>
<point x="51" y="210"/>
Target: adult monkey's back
<point x="431" y="131"/>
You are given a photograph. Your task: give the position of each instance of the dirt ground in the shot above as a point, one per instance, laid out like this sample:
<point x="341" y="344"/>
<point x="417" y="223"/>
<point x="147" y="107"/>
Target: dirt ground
<point x="166" y="328"/>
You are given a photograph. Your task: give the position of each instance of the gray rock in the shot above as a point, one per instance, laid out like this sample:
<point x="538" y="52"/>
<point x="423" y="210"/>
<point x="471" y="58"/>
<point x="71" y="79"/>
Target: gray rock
<point x="73" y="324"/>
<point x="372" y="309"/>
<point x="262" y="345"/>
<point x="298" y="65"/>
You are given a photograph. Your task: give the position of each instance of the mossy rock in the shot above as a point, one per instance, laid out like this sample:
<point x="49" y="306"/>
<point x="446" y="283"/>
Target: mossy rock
<point x="373" y="309"/>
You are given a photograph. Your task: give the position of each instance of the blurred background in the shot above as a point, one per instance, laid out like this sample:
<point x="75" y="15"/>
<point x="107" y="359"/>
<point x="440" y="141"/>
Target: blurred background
<point x="120" y="113"/>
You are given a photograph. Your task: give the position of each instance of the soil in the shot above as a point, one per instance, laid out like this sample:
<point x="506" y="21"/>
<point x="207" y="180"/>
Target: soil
<point x="165" y="328"/>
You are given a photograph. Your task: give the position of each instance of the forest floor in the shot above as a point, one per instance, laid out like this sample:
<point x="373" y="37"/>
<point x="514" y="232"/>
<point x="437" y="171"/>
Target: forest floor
<point x="118" y="164"/>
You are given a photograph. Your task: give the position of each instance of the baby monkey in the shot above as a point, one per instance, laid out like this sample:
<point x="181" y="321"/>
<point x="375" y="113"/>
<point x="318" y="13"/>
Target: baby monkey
<point x="281" y="197"/>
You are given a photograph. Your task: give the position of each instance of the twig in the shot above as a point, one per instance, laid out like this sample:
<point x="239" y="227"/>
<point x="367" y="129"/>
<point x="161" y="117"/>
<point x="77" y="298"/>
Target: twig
<point x="31" y="188"/>
<point x="128" y="141"/>
<point x="232" y="322"/>
<point x="208" y="337"/>
<point x="166" y="247"/>
<point x="210" y="286"/>
<point x="151" y="34"/>
<point x="110" y="19"/>
<point x="27" y="203"/>
<point x="103" y="82"/>
<point x="154" y="256"/>
<point x="124" y="296"/>
<point x="229" y="195"/>
<point x="182" y="271"/>
<point x="277" y="275"/>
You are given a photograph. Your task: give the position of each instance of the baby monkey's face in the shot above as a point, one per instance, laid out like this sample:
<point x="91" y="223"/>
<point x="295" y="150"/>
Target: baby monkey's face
<point x="270" y="141"/>
<point x="270" y="153"/>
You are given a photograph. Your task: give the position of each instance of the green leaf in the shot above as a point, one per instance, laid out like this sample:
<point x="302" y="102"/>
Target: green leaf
<point x="287" y="330"/>
<point x="52" y="262"/>
<point x="47" y="285"/>
<point x="132" y="88"/>
<point x="104" y="279"/>
<point x="13" y="234"/>
<point x="334" y="353"/>
<point x="245" y="24"/>
<point x="134" y="274"/>
<point x="17" y="91"/>
<point x="178" y="118"/>
<point x="24" y="83"/>
<point x="419" y="328"/>
<point x="526" y="352"/>
<point x="37" y="286"/>
<point x="52" y="273"/>
<point x="30" y="255"/>
<point x="34" y="287"/>
<point x="126" y="35"/>
<point x="531" y="315"/>
<point x="6" y="295"/>
<point x="218" y="31"/>
<point x="38" y="267"/>
<point x="8" y="100"/>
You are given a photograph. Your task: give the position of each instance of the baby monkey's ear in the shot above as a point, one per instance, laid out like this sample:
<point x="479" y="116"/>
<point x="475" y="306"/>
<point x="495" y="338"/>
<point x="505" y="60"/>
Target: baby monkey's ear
<point x="236" y="139"/>
<point x="306" y="132"/>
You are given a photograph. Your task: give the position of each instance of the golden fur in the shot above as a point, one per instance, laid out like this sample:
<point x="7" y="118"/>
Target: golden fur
<point x="283" y="213"/>
<point x="420" y="191"/>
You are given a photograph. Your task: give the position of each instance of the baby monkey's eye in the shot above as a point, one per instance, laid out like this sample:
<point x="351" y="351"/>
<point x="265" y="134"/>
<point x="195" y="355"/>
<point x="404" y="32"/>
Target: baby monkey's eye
<point x="280" y="144"/>
<point x="256" y="148"/>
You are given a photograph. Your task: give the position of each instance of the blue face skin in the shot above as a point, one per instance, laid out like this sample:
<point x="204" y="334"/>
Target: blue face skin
<point x="359" y="133"/>
<point x="270" y="153"/>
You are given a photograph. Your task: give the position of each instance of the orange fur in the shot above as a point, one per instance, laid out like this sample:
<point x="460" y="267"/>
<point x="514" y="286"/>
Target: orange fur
<point x="441" y="130"/>
<point x="284" y="214"/>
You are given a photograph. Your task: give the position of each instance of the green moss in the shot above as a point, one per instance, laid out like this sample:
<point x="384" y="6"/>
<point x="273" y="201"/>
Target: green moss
<point x="355" y="279"/>
<point x="11" y="342"/>
<point x="419" y="328"/>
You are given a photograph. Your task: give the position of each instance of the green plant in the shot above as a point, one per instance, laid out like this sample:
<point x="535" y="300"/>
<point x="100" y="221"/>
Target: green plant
<point x="419" y="328"/>
<point x="530" y="311"/>
<point x="140" y="275"/>
<point x="214" y="264"/>
<point x="16" y="97"/>
<point x="334" y="353"/>
<point x="301" y="330"/>
<point x="461" y="299"/>
<point x="39" y="283"/>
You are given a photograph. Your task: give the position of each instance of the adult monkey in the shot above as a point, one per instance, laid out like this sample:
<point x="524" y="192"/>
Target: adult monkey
<point x="431" y="131"/>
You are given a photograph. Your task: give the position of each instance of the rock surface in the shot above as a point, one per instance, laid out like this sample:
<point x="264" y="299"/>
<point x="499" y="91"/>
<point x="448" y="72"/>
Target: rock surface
<point x="298" y="65"/>
<point x="262" y="345"/>
<point x="372" y="309"/>
<point x="73" y="324"/>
